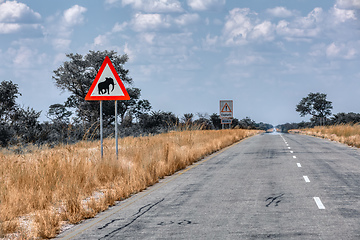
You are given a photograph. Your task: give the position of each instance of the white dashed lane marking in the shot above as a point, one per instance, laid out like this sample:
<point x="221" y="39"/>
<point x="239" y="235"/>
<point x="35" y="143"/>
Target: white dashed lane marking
<point x="319" y="203"/>
<point x="306" y="179"/>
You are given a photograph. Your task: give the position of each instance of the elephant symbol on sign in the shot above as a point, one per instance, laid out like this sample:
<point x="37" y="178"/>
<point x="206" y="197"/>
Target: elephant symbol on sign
<point x="105" y="86"/>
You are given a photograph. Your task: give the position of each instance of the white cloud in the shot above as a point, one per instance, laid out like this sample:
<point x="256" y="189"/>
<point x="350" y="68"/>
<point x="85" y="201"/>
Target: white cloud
<point x="154" y="5"/>
<point x="348" y="4"/>
<point x="332" y="50"/>
<point x="26" y="57"/>
<point x="237" y="26"/>
<point x="6" y="28"/>
<point x="61" y="44"/>
<point x="240" y="28"/>
<point x="60" y="27"/>
<point x="341" y="50"/>
<point x="281" y="12"/>
<point x="119" y="27"/>
<point x="311" y="20"/>
<point x="15" y="17"/>
<point x="129" y="52"/>
<point x="264" y="30"/>
<point x="14" y="12"/>
<point x="302" y="28"/>
<point x="101" y="40"/>
<point x="342" y="15"/>
<point x="186" y="19"/>
<point x="148" y="37"/>
<point x="210" y="42"/>
<point x="351" y="54"/>
<point x="149" y="22"/>
<point x="74" y="15"/>
<point x="202" y="5"/>
<point x="283" y="28"/>
<point x="336" y="50"/>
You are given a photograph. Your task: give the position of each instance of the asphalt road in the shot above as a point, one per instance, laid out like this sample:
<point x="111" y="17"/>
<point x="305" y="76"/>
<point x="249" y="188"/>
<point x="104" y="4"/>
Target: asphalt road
<point x="271" y="186"/>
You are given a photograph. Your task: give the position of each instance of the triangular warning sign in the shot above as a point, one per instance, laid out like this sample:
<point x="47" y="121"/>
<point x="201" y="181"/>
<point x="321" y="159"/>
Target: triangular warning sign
<point x="226" y="108"/>
<point x="107" y="84"/>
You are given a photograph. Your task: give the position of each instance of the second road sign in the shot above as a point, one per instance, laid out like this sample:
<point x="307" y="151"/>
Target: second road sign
<point x="226" y="109"/>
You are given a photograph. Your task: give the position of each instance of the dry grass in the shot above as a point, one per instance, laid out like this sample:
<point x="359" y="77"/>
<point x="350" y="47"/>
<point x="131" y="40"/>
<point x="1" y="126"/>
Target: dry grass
<point x="69" y="183"/>
<point x="345" y="133"/>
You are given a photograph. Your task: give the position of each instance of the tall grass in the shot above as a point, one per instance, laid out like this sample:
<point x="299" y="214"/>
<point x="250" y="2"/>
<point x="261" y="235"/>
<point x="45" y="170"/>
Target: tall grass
<point x="345" y="133"/>
<point x="41" y="190"/>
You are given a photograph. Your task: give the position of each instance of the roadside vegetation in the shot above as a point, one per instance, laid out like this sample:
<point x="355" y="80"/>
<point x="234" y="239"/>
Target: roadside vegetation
<point x="41" y="190"/>
<point x="317" y="105"/>
<point x="344" y="133"/>
<point x="341" y="127"/>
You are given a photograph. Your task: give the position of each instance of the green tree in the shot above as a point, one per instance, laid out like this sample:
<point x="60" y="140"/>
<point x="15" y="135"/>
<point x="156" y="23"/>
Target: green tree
<point x="9" y="92"/>
<point x="26" y="125"/>
<point x="316" y="105"/>
<point x="247" y="123"/>
<point x="59" y="113"/>
<point x="216" y="120"/>
<point x="188" y="118"/>
<point x="17" y="125"/>
<point x="157" y="122"/>
<point x="203" y="121"/>
<point x="76" y="76"/>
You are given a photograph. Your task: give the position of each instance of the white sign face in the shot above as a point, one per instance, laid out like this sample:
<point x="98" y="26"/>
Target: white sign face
<point x="226" y="109"/>
<point x="107" y="85"/>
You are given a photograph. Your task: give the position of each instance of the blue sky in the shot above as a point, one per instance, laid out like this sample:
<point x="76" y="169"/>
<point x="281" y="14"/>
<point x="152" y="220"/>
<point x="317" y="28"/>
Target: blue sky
<point x="185" y="56"/>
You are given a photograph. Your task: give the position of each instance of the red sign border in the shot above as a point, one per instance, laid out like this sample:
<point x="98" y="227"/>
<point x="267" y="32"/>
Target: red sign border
<point x="97" y="78"/>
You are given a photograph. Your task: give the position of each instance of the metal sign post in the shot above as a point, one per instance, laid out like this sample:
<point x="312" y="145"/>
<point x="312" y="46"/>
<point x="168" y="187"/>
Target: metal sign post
<point x="116" y="131"/>
<point x="101" y="129"/>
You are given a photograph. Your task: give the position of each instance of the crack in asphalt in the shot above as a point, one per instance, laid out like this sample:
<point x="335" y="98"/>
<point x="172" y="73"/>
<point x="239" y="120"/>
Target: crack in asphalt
<point x="139" y="214"/>
<point x="276" y="199"/>
<point x="183" y="222"/>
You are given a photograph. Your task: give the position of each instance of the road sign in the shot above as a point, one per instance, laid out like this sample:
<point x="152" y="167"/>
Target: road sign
<point x="226" y="108"/>
<point x="107" y="84"/>
<point x="226" y="121"/>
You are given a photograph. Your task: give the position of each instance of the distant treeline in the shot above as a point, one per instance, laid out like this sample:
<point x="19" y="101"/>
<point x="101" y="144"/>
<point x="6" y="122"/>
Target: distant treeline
<point x="77" y="119"/>
<point x="21" y="126"/>
<point x="339" y="118"/>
